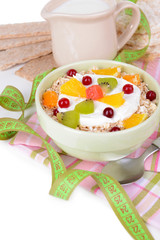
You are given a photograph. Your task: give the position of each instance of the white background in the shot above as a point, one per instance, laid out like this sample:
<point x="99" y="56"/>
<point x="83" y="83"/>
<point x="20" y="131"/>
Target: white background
<point x="27" y="211"/>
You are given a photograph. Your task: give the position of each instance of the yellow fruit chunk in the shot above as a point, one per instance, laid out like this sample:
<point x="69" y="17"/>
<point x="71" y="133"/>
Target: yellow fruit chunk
<point x="134" y="120"/>
<point x="115" y="100"/>
<point x="135" y="79"/>
<point x="116" y="71"/>
<point x="73" y="88"/>
<point x="50" y="99"/>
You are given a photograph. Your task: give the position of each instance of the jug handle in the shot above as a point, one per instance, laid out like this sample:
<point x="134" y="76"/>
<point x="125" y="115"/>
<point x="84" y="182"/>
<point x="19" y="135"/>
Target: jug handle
<point x="131" y="28"/>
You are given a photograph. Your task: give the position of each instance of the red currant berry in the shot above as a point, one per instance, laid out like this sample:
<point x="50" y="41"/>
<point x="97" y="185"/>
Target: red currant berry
<point x="151" y="95"/>
<point x="115" y="129"/>
<point x="108" y="112"/>
<point x="64" y="103"/>
<point x="55" y="111"/>
<point x="71" y="72"/>
<point x="86" y="80"/>
<point x="128" y="89"/>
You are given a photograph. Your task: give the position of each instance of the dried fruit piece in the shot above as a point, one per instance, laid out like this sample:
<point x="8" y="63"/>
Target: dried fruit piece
<point x="87" y="80"/>
<point x="151" y="95"/>
<point x="50" y="99"/>
<point x="128" y="89"/>
<point x="94" y="92"/>
<point x="115" y="71"/>
<point x="64" y="103"/>
<point x="55" y="111"/>
<point x="108" y="112"/>
<point x="115" y="129"/>
<point x="135" y="79"/>
<point x="107" y="84"/>
<point x="85" y="107"/>
<point x="71" y="72"/>
<point x="134" y="120"/>
<point x="73" y="88"/>
<point x="69" y="119"/>
<point x="115" y="100"/>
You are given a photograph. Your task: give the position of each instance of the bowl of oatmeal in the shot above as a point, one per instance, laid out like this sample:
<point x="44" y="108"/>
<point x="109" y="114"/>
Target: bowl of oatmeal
<point x="98" y="110"/>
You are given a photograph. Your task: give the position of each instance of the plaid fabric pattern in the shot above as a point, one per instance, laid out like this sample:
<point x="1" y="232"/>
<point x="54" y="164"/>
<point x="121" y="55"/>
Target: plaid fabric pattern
<point x="145" y="193"/>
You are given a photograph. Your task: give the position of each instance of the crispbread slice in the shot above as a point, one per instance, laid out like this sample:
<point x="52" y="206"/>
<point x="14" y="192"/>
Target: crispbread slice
<point x="34" y="67"/>
<point x="24" y="30"/>
<point x="141" y="40"/>
<point x="151" y="10"/>
<point x="23" y="54"/>
<point x="17" y="42"/>
<point x="154" y="49"/>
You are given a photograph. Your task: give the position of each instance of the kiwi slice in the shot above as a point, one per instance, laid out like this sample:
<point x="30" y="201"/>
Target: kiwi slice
<point x="69" y="119"/>
<point x="107" y="84"/>
<point x="85" y="107"/>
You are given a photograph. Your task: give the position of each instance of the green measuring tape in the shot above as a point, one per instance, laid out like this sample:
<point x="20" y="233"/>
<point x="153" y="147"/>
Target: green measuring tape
<point x="65" y="181"/>
<point x="132" y="55"/>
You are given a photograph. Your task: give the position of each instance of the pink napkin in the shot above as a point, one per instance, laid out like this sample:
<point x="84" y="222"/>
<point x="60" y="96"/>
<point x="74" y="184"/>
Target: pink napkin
<point x="145" y="193"/>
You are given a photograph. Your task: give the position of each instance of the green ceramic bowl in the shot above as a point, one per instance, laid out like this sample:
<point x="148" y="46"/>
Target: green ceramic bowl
<point x="97" y="146"/>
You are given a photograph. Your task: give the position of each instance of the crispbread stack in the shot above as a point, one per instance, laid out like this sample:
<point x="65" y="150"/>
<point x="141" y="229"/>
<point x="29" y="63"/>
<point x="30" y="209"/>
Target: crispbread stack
<point x="151" y="8"/>
<point x="20" y="43"/>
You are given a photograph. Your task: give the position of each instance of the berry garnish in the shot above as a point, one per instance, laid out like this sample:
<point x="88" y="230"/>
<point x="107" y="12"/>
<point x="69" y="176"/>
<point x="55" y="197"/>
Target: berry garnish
<point x="55" y="111"/>
<point x="115" y="129"/>
<point x="108" y="112"/>
<point x="86" y="80"/>
<point x="128" y="89"/>
<point x="64" y="103"/>
<point x="151" y="95"/>
<point x="71" y="72"/>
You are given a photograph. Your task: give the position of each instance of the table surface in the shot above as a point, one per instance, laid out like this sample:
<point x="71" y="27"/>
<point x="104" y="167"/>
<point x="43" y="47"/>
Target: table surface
<point x="27" y="211"/>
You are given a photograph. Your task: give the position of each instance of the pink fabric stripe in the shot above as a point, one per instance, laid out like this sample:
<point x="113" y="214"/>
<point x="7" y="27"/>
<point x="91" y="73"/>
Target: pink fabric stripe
<point x="157" y="162"/>
<point x="152" y="66"/>
<point x="157" y="73"/>
<point x="155" y="219"/>
<point x="71" y="164"/>
<point x="149" y="192"/>
<point x="146" y="204"/>
<point x="140" y="185"/>
<point x="148" y="163"/>
<point x="95" y="191"/>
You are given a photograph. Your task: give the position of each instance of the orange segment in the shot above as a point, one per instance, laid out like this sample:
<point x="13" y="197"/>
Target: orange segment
<point x="73" y="88"/>
<point x="135" y="79"/>
<point x="50" y="99"/>
<point x="134" y="120"/>
<point x="115" y="100"/>
<point x="108" y="71"/>
<point x="94" y="92"/>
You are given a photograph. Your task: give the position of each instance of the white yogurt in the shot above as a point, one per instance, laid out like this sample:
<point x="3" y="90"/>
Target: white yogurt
<point x="82" y="7"/>
<point x="132" y="102"/>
